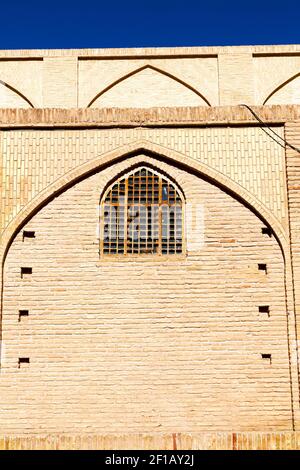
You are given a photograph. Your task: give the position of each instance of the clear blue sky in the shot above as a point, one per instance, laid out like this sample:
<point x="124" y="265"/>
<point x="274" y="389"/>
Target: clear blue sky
<point x="145" y="23"/>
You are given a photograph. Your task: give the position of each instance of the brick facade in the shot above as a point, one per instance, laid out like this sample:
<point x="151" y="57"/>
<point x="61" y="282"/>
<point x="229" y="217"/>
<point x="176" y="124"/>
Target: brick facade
<point x="151" y="349"/>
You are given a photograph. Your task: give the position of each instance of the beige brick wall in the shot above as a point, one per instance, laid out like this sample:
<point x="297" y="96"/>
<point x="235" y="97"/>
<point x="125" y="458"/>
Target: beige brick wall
<point x="25" y="79"/>
<point x="59" y="82"/>
<point x="144" y="346"/>
<point x="220" y="75"/>
<point x="148" y="88"/>
<point x="201" y="74"/>
<point x="180" y="353"/>
<point x="293" y="182"/>
<point x="288" y="93"/>
<point x="272" y="72"/>
<point x="236" y="79"/>
<point x="32" y="159"/>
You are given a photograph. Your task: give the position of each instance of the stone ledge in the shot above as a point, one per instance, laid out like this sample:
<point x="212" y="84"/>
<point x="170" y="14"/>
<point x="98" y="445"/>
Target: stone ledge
<point x="168" y="441"/>
<point x="130" y="117"/>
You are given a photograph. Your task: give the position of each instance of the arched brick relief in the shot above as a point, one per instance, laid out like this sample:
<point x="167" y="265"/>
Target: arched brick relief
<point x="287" y="92"/>
<point x="148" y="86"/>
<point x="10" y="97"/>
<point x="128" y="155"/>
<point x="160" y="152"/>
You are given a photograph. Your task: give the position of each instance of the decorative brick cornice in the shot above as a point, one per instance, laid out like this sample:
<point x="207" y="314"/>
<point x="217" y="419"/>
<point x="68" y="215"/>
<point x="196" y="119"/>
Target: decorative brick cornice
<point x="115" y="117"/>
<point x="163" y="441"/>
<point x="138" y="52"/>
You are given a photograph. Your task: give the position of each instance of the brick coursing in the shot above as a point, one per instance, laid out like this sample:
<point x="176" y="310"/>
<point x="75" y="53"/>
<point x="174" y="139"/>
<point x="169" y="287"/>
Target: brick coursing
<point x="145" y="353"/>
<point x="164" y="345"/>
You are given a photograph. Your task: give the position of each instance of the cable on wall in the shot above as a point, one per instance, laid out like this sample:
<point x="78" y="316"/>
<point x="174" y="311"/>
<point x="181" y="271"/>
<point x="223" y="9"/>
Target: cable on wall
<point x="264" y="125"/>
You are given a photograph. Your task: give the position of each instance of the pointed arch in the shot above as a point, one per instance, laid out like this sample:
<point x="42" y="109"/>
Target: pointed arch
<point x="282" y="85"/>
<point x="161" y="153"/>
<point x="17" y="92"/>
<point x="146" y="197"/>
<point x="125" y="152"/>
<point x="135" y="167"/>
<point x="151" y="67"/>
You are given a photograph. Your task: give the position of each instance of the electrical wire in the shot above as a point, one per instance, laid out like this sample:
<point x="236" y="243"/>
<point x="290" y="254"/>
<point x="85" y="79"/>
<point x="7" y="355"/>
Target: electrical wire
<point x="264" y="126"/>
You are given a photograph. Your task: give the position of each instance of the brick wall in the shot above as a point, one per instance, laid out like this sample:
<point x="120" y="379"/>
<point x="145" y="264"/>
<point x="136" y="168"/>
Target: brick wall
<point x="144" y="346"/>
<point x="171" y="441"/>
<point x="292" y="134"/>
<point x="33" y="159"/>
<point x="221" y="75"/>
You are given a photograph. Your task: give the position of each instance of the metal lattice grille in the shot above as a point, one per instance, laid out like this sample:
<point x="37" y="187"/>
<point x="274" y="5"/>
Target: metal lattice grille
<point x="142" y="213"/>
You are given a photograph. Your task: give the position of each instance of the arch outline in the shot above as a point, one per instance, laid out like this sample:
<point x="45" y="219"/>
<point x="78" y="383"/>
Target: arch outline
<point x="189" y="164"/>
<point x="124" y="175"/>
<point x="279" y="87"/>
<point x="126" y="151"/>
<point x="17" y="92"/>
<point x="140" y="69"/>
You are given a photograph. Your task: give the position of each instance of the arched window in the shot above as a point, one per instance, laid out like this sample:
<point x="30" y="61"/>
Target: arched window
<point x="142" y="213"/>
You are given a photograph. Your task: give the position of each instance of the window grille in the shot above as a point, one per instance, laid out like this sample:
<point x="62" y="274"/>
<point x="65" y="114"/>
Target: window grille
<point x="142" y="213"/>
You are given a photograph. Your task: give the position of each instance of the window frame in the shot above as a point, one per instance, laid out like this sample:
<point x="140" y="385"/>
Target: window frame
<point x="158" y="255"/>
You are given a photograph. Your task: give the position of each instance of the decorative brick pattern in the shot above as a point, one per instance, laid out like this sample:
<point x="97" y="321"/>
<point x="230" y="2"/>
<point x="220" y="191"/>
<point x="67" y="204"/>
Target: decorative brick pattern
<point x="34" y="159"/>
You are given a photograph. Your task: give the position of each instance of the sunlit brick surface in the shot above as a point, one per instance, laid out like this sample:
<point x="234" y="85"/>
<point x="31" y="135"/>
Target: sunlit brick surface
<point x="190" y="350"/>
<point x="145" y="344"/>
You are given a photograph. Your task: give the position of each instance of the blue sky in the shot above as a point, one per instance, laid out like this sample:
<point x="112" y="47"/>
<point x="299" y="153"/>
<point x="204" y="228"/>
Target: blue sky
<point x="96" y="23"/>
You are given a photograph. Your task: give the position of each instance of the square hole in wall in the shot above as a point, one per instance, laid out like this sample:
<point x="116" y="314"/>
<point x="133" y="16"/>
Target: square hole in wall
<point x="26" y="271"/>
<point x="262" y="267"/>
<point x="23" y="313"/>
<point x="267" y="231"/>
<point x="23" y="361"/>
<point x="28" y="234"/>
<point x="267" y="357"/>
<point x="264" y="309"/>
